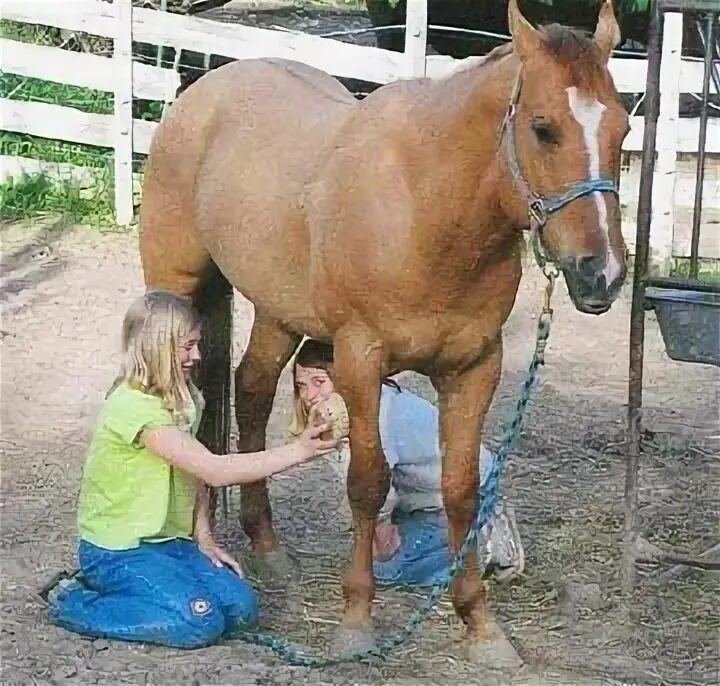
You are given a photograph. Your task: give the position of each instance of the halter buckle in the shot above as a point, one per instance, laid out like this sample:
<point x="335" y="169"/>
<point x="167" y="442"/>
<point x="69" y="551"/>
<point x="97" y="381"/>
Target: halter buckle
<point x="551" y="276"/>
<point x="536" y="212"/>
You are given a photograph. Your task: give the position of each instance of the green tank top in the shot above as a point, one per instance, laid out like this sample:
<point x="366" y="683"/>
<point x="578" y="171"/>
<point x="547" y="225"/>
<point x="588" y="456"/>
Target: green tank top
<point x="128" y="495"/>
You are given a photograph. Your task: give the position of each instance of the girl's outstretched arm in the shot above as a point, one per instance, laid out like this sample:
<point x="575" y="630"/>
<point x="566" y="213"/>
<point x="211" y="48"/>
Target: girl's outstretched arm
<point x="185" y="452"/>
<point x="203" y="527"/>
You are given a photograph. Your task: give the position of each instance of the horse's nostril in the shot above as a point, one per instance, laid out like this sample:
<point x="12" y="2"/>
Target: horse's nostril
<point x="590" y="267"/>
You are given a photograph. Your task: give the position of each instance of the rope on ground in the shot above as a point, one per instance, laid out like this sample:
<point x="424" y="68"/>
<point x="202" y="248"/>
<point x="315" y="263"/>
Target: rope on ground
<point x="644" y="551"/>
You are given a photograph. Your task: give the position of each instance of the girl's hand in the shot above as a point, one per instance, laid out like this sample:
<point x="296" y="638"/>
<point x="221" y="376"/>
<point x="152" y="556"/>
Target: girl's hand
<point x="310" y="444"/>
<point x="219" y="556"/>
<point x="386" y="541"/>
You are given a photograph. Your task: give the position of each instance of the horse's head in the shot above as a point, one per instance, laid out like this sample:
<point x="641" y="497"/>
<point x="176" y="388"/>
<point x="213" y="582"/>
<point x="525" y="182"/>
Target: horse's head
<point x="565" y="132"/>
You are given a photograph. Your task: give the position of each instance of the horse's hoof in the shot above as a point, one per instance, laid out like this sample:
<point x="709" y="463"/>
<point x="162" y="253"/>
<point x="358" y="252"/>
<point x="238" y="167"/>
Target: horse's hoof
<point x="274" y="569"/>
<point x="348" y="641"/>
<point x="494" y="652"/>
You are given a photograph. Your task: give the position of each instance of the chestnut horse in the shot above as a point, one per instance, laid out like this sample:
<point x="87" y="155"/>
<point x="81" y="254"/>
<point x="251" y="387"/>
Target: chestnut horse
<point x="392" y="228"/>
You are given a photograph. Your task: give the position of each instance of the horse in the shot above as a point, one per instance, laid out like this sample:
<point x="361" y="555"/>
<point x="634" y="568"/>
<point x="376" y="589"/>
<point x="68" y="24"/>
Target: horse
<point x="392" y="228"/>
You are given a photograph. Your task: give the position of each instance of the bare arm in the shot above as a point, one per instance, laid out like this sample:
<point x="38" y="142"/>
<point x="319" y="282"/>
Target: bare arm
<point x="204" y="536"/>
<point x="186" y="453"/>
<point x="203" y="528"/>
<point x="391" y="501"/>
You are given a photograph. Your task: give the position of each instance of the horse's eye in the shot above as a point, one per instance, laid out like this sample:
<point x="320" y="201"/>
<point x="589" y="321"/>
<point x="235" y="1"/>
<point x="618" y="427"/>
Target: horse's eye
<point x="545" y="132"/>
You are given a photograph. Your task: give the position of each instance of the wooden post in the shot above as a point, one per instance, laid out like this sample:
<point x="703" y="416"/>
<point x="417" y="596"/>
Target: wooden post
<point x="416" y="22"/>
<point x="163" y="8"/>
<point x="123" y="68"/>
<point x="661" y="245"/>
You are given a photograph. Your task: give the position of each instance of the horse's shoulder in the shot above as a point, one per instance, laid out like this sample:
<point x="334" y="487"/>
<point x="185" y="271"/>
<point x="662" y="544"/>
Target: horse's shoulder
<point x="397" y="96"/>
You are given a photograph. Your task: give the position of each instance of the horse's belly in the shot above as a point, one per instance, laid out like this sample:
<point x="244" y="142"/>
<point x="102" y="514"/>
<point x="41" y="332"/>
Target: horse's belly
<point x="433" y="343"/>
<point x="270" y="268"/>
<point x="436" y="332"/>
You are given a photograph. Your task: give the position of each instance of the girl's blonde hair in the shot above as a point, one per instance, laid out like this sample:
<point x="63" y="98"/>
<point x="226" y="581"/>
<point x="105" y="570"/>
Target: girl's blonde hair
<point x="152" y="331"/>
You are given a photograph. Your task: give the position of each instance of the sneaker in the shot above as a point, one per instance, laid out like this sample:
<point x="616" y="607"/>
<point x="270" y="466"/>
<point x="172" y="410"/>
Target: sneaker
<point x="505" y="553"/>
<point x="58" y="582"/>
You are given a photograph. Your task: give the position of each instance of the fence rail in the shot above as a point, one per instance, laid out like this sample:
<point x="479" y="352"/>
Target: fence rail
<point x="119" y="74"/>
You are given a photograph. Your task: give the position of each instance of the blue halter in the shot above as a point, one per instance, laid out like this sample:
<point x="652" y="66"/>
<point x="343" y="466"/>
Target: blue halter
<point x="540" y="208"/>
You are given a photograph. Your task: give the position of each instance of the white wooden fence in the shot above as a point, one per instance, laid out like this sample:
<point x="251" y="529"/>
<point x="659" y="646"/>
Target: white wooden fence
<point x="123" y="23"/>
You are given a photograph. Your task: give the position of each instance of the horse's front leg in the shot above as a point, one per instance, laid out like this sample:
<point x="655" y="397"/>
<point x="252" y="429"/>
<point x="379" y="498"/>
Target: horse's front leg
<point x="358" y="360"/>
<point x="464" y="401"/>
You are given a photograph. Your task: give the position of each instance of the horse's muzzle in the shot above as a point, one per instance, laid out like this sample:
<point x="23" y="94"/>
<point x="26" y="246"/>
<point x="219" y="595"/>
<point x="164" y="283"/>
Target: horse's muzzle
<point x="588" y="285"/>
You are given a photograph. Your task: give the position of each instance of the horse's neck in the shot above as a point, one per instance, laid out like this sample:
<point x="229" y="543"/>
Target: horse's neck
<point x="470" y="106"/>
<point x="478" y="98"/>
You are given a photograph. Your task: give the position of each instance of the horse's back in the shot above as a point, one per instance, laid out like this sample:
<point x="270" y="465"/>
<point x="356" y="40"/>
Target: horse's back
<point x="230" y="158"/>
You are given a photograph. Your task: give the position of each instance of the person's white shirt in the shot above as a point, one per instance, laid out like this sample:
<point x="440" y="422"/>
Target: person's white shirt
<point x="410" y="438"/>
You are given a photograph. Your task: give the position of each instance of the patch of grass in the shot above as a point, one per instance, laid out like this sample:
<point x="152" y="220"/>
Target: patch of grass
<point x="35" y="147"/>
<point x="84" y="99"/>
<point x="23" y="197"/>
<point x="37" y="90"/>
<point x="62" y="152"/>
<point x="29" y="33"/>
<point x="708" y="270"/>
<point x="33" y="194"/>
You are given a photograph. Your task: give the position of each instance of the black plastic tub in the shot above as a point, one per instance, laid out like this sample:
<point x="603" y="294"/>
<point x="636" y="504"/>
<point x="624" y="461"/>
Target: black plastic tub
<point x="689" y="323"/>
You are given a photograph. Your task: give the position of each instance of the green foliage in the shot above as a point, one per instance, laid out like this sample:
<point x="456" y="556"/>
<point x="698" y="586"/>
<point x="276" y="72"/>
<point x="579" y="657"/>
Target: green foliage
<point x="90" y="203"/>
<point x="636" y="6"/>
<point x="32" y="194"/>
<point x="36" y="90"/>
<point x="24" y="145"/>
<point x="708" y="270"/>
<point x="29" y="33"/>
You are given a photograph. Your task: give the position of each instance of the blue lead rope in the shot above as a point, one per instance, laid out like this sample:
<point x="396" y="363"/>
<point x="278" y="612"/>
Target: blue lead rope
<point x="489" y="494"/>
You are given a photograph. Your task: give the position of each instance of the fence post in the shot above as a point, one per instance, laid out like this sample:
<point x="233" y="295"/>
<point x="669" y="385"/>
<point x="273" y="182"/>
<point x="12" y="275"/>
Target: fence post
<point x="416" y="22"/>
<point x="123" y="68"/>
<point x="158" y="63"/>
<point x="663" y="216"/>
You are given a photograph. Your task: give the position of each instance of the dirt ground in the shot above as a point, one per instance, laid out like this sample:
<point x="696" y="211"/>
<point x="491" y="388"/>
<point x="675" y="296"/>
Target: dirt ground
<point x="63" y="294"/>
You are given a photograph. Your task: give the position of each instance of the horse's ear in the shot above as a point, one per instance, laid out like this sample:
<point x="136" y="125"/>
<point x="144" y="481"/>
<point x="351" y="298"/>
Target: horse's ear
<point x="526" y="39"/>
<point x="607" y="31"/>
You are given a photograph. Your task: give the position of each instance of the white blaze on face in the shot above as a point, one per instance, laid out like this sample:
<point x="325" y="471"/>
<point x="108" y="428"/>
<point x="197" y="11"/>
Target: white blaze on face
<point x="588" y="112"/>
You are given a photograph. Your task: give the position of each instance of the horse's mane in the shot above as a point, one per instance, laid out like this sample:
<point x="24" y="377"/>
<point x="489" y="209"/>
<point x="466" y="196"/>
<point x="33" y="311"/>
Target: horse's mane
<point x="568" y="44"/>
<point x="571" y="47"/>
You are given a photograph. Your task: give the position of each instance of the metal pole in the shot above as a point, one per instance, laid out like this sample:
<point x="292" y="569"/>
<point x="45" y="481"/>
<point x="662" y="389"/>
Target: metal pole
<point x="637" y="316"/>
<point x="700" y="171"/>
<point x="715" y="72"/>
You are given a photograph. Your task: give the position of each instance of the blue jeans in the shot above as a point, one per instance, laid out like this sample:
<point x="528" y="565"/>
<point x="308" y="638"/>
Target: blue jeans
<point x="164" y="593"/>
<point x="423" y="557"/>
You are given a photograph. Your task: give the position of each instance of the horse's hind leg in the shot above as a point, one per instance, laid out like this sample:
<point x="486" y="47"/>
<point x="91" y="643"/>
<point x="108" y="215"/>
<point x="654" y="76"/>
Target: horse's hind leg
<point x="358" y="361"/>
<point x="464" y="401"/>
<point x="256" y="378"/>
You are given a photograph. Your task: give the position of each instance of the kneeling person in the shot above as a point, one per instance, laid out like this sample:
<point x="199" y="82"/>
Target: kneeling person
<point x="411" y="537"/>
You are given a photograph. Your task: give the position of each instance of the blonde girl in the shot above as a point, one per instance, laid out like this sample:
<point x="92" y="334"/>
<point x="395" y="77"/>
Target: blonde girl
<point x="149" y="568"/>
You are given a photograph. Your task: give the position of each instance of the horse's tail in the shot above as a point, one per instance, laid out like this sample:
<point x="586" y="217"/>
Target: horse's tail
<point x="173" y="254"/>
<point x="175" y="257"/>
<point x="214" y="302"/>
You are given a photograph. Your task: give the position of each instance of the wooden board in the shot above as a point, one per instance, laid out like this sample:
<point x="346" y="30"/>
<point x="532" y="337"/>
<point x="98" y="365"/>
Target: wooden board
<point x="84" y="70"/>
<point x="68" y="124"/>
<point x="694" y="6"/>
